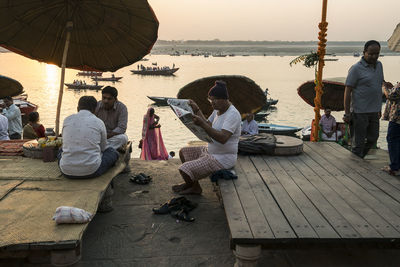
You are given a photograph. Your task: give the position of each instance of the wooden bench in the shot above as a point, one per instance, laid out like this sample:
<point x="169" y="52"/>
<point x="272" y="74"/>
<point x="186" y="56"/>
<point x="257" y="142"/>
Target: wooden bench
<point x="325" y="197"/>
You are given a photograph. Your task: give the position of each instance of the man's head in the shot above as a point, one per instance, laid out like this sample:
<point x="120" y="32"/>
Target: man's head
<point x="109" y="96"/>
<point x="87" y="103"/>
<point x="8" y="101"/>
<point x="172" y="154"/>
<point x="327" y="112"/>
<point x="249" y="117"/>
<point x="371" y="52"/>
<point x="218" y="96"/>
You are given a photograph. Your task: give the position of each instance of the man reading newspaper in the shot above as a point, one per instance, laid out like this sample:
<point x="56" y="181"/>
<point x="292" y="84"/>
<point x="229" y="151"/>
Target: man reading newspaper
<point x="223" y="126"/>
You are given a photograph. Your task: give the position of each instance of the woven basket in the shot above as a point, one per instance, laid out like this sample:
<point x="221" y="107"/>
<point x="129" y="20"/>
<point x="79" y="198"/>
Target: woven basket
<point x="31" y="150"/>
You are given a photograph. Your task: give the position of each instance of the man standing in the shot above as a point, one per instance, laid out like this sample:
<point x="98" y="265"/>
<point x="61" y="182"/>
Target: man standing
<point x="363" y="99"/>
<point x="84" y="152"/>
<point x="223" y="126"/>
<point x="114" y="114"/>
<point x="3" y="128"/>
<point x="13" y="114"/>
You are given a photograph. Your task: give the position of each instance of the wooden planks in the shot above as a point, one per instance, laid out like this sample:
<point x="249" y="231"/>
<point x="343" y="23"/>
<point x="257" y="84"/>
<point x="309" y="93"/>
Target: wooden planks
<point x="323" y="194"/>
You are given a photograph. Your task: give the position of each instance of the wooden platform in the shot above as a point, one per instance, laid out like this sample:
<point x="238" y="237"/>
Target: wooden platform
<point x="325" y="197"/>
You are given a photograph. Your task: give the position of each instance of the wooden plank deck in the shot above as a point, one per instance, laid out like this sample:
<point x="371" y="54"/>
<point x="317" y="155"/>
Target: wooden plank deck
<point x="325" y="196"/>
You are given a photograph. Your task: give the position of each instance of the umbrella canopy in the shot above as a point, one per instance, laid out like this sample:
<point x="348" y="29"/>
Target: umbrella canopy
<point x="9" y="87"/>
<point x="105" y="36"/>
<point x="333" y="93"/>
<point x="394" y="40"/>
<point x="244" y="93"/>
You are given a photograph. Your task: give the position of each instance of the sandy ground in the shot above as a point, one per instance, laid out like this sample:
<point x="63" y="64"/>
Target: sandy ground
<point x="131" y="235"/>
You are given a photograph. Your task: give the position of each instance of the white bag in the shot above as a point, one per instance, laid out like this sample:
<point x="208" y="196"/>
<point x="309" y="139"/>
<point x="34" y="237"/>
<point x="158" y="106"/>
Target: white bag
<point x="66" y="214"/>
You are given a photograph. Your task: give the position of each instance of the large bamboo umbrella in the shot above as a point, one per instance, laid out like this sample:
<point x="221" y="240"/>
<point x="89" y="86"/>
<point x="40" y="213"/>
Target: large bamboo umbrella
<point x="394" y="40"/>
<point x="243" y="92"/>
<point x="101" y="35"/>
<point x="333" y="95"/>
<point x="9" y="87"/>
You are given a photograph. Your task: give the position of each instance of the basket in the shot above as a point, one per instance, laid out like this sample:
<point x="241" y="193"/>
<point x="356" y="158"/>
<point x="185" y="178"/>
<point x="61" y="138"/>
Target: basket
<point x="32" y="150"/>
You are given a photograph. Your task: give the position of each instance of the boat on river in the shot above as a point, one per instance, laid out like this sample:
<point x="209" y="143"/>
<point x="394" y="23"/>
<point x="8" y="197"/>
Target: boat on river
<point x="277" y="129"/>
<point x="165" y="71"/>
<point x="89" y="73"/>
<point x="159" y="100"/>
<point x="107" y="79"/>
<point x="83" y="86"/>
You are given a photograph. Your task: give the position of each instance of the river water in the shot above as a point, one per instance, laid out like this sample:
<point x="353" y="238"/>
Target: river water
<point x="41" y="83"/>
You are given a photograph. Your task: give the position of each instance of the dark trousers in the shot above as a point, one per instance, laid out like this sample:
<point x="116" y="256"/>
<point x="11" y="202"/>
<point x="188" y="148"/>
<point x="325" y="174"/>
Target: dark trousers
<point x="15" y="136"/>
<point x="365" y="132"/>
<point x="108" y="159"/>
<point x="393" y="140"/>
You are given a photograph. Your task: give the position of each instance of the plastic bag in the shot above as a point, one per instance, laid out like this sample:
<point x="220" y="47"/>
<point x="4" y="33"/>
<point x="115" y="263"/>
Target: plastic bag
<point x="66" y="214"/>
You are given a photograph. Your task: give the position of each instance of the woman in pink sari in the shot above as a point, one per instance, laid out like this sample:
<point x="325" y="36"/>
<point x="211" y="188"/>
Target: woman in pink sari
<point x="152" y="143"/>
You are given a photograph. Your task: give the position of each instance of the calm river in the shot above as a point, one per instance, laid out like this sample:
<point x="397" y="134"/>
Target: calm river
<point x="41" y="83"/>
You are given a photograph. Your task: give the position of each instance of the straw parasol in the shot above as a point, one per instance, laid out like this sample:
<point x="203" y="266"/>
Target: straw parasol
<point x="394" y="40"/>
<point x="244" y="93"/>
<point x="333" y="93"/>
<point x="9" y="87"/>
<point x="100" y="35"/>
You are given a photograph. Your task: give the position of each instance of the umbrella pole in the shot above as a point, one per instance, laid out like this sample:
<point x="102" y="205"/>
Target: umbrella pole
<point x="64" y="60"/>
<point x="318" y="80"/>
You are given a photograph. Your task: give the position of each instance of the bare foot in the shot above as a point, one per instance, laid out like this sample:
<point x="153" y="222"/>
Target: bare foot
<point x="179" y="187"/>
<point x="194" y="190"/>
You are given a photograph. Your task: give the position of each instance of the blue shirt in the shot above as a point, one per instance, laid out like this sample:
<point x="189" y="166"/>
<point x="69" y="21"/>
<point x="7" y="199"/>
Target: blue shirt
<point x="366" y="81"/>
<point x="13" y="115"/>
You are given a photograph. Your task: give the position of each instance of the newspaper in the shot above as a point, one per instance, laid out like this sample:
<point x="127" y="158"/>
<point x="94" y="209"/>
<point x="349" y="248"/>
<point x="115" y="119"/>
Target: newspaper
<point x="184" y="111"/>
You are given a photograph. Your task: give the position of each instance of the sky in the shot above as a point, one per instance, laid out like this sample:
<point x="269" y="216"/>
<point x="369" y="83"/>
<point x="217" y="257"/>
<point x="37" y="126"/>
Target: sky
<point x="270" y="20"/>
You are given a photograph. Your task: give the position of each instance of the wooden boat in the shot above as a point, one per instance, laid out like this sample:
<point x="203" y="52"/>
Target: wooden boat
<point x="163" y="72"/>
<point x="160" y="101"/>
<point x="89" y="73"/>
<point x="260" y="115"/>
<point x="106" y="79"/>
<point x="277" y="129"/>
<point x="331" y="59"/>
<point x="83" y="86"/>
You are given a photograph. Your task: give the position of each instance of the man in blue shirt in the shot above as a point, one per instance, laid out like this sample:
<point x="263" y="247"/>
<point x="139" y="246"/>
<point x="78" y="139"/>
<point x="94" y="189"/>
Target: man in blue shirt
<point x="13" y="114"/>
<point x="363" y="99"/>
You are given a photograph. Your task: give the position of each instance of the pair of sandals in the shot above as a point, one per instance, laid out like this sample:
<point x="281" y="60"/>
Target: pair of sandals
<point x="390" y="171"/>
<point x="178" y="207"/>
<point x="141" y="179"/>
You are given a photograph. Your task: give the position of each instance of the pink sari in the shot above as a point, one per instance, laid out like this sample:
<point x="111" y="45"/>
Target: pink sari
<point x="153" y="146"/>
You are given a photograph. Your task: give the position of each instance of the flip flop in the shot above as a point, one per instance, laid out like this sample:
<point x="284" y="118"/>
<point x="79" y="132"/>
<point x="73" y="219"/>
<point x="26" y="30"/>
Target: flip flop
<point x="139" y="179"/>
<point x="182" y="215"/>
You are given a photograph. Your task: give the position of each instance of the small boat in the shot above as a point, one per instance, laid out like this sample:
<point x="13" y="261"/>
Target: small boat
<point x="277" y="129"/>
<point x="154" y="63"/>
<point x="144" y="59"/>
<point x="269" y="101"/>
<point x="356" y="54"/>
<point x="160" y="101"/>
<point x="89" y="73"/>
<point x="231" y="55"/>
<point x="331" y="59"/>
<point x="219" y="55"/>
<point x="260" y="115"/>
<point x="83" y="86"/>
<point x="245" y="55"/>
<point x="161" y="71"/>
<point x="107" y="79"/>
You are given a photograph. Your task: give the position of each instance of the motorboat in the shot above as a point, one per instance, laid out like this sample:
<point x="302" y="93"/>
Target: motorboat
<point x="89" y="73"/>
<point x="165" y="71"/>
<point x="77" y="86"/>
<point x="107" y="79"/>
<point x="277" y="129"/>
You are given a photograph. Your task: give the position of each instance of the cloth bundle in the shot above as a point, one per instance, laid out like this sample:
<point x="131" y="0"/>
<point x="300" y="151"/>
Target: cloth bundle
<point x="262" y="143"/>
<point x="66" y="214"/>
<point x="223" y="174"/>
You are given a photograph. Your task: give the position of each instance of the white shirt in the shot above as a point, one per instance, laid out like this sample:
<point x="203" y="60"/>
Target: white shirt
<point x="250" y="127"/>
<point x="84" y="140"/>
<point x="13" y="115"/>
<point x="4" y="128"/>
<point x="226" y="154"/>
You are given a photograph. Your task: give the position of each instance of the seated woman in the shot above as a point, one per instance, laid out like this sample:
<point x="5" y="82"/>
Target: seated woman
<point x="152" y="143"/>
<point x="33" y="129"/>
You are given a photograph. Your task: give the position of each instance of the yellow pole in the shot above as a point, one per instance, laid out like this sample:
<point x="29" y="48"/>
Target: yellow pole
<point x="318" y="82"/>
<point x="64" y="60"/>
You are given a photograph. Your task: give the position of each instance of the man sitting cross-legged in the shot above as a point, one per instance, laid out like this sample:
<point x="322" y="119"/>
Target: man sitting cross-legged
<point x="84" y="151"/>
<point x="223" y="126"/>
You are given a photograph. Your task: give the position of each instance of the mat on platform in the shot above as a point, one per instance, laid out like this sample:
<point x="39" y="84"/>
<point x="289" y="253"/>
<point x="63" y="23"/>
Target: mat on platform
<point x="27" y="204"/>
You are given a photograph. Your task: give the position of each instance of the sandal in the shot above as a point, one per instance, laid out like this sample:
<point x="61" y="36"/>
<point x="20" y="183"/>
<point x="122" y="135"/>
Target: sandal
<point x="139" y="179"/>
<point x="182" y="215"/>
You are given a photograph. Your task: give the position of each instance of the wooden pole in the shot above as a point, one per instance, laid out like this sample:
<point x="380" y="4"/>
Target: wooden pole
<point x="318" y="80"/>
<point x="64" y="60"/>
